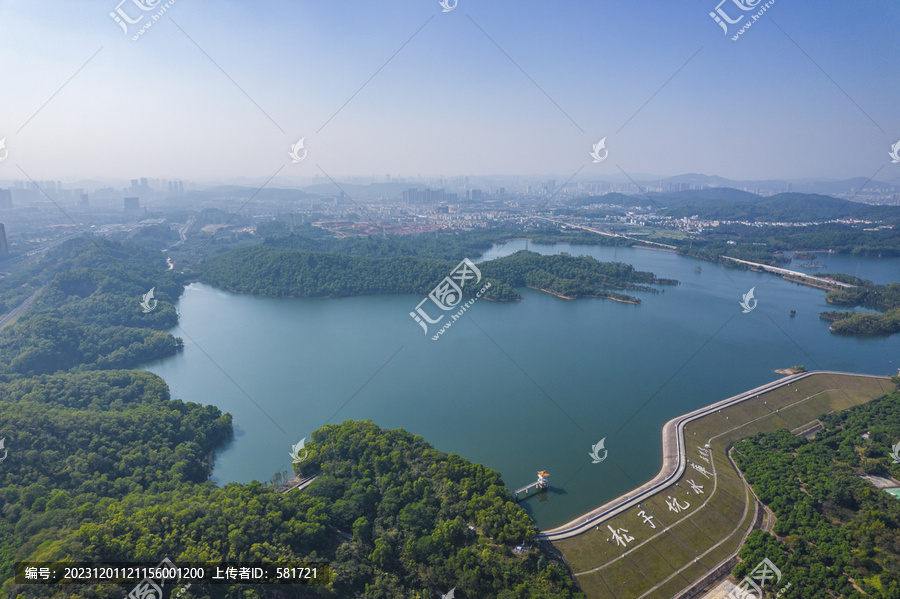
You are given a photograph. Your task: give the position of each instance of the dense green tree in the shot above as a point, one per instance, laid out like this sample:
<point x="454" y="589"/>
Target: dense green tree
<point x="104" y="465"/>
<point x="885" y="298"/>
<point x="833" y="530"/>
<point x="299" y="273"/>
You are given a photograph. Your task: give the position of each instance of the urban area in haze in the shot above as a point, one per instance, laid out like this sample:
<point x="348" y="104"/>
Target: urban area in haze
<point x="449" y="299"/>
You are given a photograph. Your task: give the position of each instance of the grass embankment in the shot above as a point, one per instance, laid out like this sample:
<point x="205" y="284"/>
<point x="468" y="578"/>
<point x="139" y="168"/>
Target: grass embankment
<point x="697" y="539"/>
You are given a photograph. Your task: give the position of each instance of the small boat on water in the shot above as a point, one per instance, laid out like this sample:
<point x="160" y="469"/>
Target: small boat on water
<point x="699" y="268"/>
<point x="793" y="313"/>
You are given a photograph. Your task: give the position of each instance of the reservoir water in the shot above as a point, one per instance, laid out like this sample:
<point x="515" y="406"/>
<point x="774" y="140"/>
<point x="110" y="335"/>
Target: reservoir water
<point x="518" y="387"/>
<point x="880" y="272"/>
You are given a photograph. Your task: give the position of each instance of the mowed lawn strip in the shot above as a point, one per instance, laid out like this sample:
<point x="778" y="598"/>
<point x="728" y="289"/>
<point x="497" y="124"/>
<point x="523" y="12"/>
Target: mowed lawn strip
<point x="730" y="503"/>
<point x="600" y="542"/>
<point x="591" y="551"/>
<point x="674" y="550"/>
<point x="672" y="587"/>
<point x="594" y="585"/>
<point x="694" y="538"/>
<point x="716" y="524"/>
<point x="651" y="564"/>
<point x="716" y="521"/>
<point x="628" y="577"/>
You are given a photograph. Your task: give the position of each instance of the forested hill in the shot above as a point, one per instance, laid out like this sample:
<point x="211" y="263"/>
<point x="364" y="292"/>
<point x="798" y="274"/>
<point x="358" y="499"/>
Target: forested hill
<point x="728" y="204"/>
<point x="80" y="443"/>
<point x="735" y="205"/>
<point x="440" y="245"/>
<point x="885" y="298"/>
<point x="571" y="276"/>
<point x="272" y="271"/>
<point x="101" y="464"/>
<point x="835" y="532"/>
<point x="262" y="270"/>
<point x="89" y="315"/>
<point x="406" y="508"/>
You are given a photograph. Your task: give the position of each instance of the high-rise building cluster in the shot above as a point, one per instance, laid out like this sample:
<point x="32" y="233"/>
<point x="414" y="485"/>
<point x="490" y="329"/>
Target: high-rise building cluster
<point x="428" y="196"/>
<point x="132" y="206"/>
<point x="4" y="246"/>
<point x="176" y="186"/>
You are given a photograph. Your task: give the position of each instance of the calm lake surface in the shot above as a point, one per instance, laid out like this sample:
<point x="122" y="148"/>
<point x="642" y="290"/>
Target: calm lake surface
<point x="880" y="272"/>
<point x="518" y="387"/>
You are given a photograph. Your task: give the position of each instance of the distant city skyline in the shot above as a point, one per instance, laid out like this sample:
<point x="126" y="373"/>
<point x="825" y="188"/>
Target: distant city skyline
<point x="513" y="182"/>
<point x="222" y="93"/>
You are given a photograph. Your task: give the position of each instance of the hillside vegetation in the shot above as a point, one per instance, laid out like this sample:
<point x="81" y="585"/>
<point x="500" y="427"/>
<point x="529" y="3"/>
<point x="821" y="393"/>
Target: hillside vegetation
<point x="885" y="298"/>
<point x="263" y="270"/>
<point x="103" y="464"/>
<point x="836" y="535"/>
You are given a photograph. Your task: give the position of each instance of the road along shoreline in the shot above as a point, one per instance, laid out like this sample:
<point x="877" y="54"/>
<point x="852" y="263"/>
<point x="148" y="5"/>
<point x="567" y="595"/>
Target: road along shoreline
<point x="674" y="462"/>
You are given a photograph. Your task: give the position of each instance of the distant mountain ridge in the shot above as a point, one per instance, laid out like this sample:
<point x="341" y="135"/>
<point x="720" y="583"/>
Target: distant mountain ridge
<point x="782" y="207"/>
<point x="724" y="203"/>
<point x="825" y="187"/>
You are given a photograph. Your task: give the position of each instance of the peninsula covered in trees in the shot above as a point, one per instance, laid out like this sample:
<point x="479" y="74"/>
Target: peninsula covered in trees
<point x="264" y="270"/>
<point x="84" y="315"/>
<point x="104" y="465"/>
<point x="885" y="298"/>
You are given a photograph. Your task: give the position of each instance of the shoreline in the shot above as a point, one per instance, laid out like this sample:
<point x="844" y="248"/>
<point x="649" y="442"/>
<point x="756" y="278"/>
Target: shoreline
<point x="787" y="371"/>
<point x="621" y="301"/>
<point x="566" y="297"/>
<point x="329" y="297"/>
<point x="794" y="276"/>
<point x="644" y="247"/>
<point x="605" y="234"/>
<point x="674" y="460"/>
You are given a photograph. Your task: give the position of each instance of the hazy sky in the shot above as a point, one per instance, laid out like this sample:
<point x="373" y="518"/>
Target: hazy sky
<point x="451" y="101"/>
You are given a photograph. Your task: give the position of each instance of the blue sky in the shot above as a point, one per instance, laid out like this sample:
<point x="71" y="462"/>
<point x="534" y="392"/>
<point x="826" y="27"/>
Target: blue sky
<point x="450" y="102"/>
